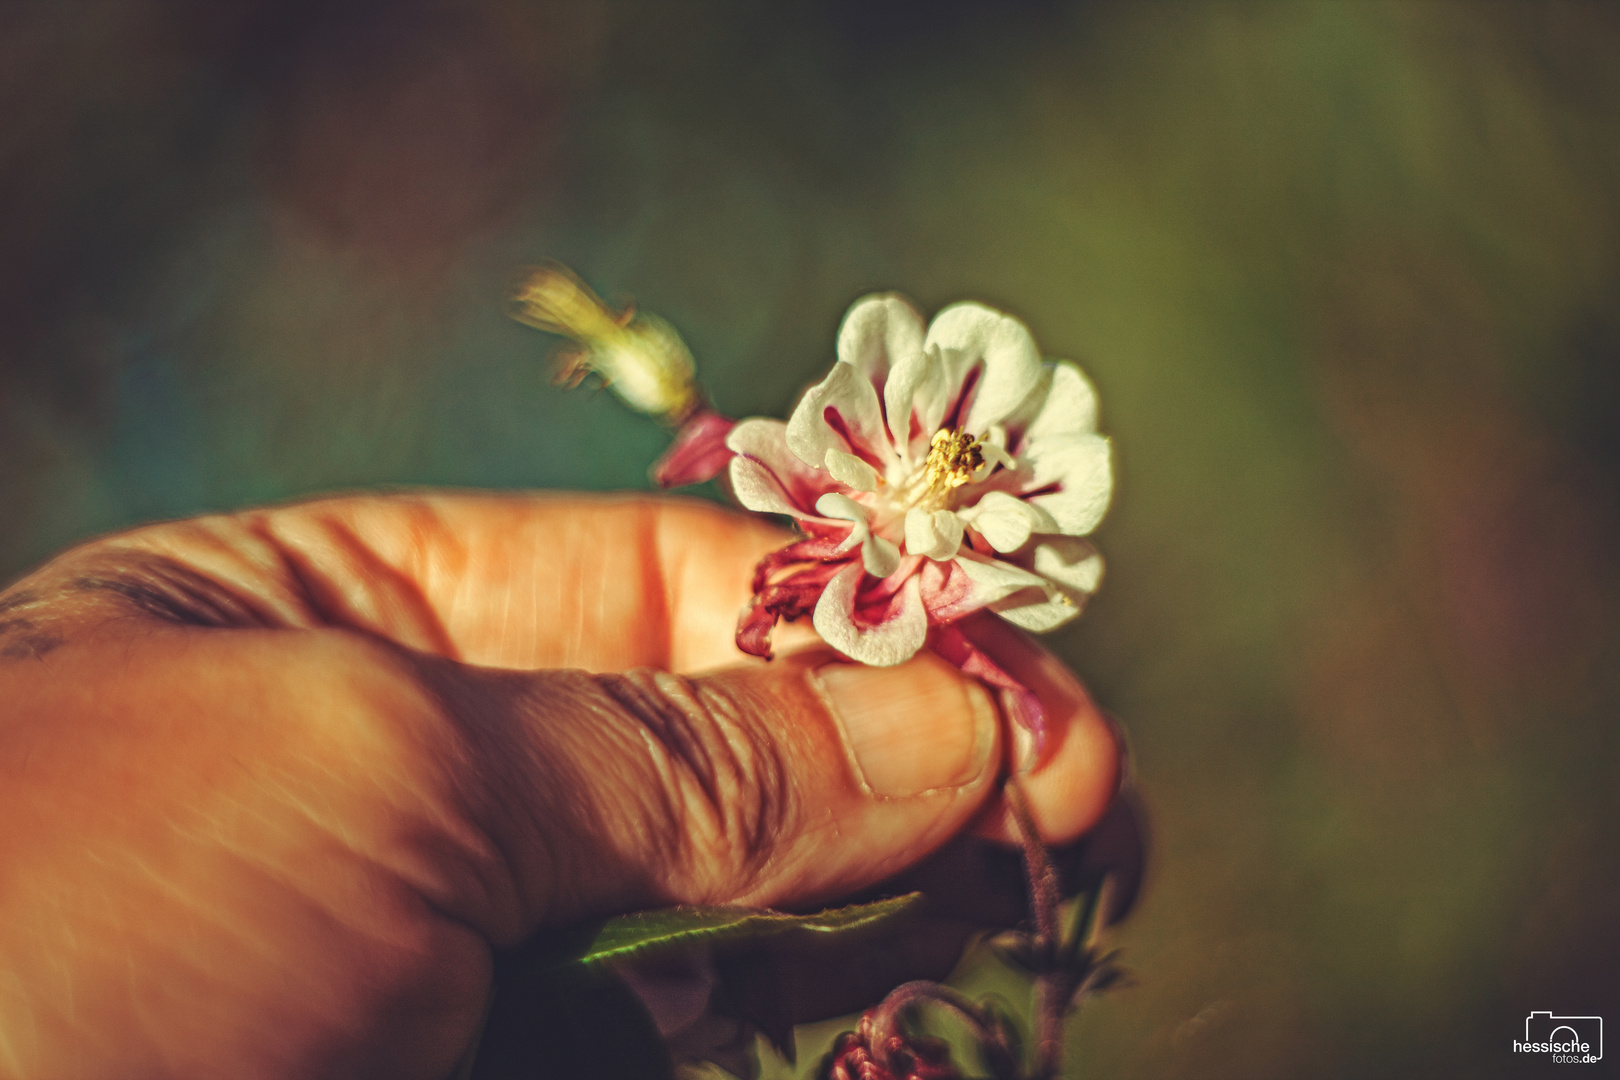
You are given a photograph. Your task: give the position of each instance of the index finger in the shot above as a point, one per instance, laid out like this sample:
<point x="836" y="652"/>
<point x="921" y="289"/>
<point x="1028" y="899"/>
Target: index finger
<point x="541" y="581"/>
<point x="530" y="581"/>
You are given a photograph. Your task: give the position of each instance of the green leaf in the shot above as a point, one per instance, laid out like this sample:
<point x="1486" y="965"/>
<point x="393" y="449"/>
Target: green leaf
<point x="1087" y="920"/>
<point x="634" y="934"/>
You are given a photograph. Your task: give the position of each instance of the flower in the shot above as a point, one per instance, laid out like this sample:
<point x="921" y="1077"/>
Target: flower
<point x="936" y="471"/>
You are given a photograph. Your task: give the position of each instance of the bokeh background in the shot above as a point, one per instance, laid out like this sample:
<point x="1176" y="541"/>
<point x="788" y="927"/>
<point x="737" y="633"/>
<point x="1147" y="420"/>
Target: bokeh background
<point x="1345" y="274"/>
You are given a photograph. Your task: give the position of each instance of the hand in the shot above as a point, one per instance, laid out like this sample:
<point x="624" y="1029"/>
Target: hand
<point x="275" y="784"/>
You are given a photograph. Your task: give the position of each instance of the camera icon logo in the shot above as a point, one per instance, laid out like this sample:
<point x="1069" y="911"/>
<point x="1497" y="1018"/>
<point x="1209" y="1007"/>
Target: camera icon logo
<point x="1580" y="1037"/>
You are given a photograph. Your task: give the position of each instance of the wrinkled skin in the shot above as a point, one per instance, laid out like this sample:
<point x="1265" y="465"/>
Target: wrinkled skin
<point x="275" y="784"/>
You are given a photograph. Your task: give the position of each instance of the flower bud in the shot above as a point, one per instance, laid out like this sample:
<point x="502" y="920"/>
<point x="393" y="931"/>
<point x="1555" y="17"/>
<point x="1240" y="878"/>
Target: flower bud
<point x="639" y="357"/>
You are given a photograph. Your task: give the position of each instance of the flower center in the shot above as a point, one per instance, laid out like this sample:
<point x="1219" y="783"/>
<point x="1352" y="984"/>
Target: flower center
<point x="953" y="458"/>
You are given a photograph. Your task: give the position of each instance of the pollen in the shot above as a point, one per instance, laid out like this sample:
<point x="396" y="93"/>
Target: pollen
<point x="953" y="458"/>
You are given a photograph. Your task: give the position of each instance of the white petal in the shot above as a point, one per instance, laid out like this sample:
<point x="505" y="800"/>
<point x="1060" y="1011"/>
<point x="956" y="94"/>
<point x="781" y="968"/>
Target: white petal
<point x="920" y="537"/>
<point x="948" y="527"/>
<point x="1070" y="407"/>
<point x="766" y="441"/>
<point x="885" y="645"/>
<point x="846" y="393"/>
<point x="878" y="332"/>
<point x="766" y="475"/>
<point x="937" y="535"/>
<point x="842" y="507"/>
<point x="1021" y="417"/>
<point x="851" y="471"/>
<point x="880" y="557"/>
<point x="758" y="437"/>
<point x="969" y="335"/>
<point x="1072" y="563"/>
<point x="1006" y="521"/>
<point x="1037" y="617"/>
<point x="993" y="451"/>
<point x="916" y="386"/>
<point x="757" y="489"/>
<point x="1053" y="461"/>
<point x="1008" y="588"/>
<point x="1085" y="477"/>
<point x="1073" y="569"/>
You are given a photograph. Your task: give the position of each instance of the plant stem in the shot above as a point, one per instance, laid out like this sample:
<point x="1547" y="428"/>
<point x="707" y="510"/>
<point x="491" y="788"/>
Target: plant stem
<point x="1051" y="989"/>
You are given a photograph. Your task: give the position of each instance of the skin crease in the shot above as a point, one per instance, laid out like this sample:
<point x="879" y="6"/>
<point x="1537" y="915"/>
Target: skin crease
<point x="276" y="783"/>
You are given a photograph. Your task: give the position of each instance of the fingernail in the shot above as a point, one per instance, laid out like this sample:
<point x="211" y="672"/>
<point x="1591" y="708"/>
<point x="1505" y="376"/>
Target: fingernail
<point x="1049" y="680"/>
<point x="912" y="728"/>
<point x="1026" y="750"/>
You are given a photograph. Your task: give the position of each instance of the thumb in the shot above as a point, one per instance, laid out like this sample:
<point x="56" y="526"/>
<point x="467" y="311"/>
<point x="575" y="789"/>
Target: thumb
<point x="765" y="784"/>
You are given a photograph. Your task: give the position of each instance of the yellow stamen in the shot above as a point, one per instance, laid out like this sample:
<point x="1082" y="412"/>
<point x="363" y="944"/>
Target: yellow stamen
<point x="953" y="458"/>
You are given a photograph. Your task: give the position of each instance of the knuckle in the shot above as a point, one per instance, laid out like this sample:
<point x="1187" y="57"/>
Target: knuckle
<point x="724" y="795"/>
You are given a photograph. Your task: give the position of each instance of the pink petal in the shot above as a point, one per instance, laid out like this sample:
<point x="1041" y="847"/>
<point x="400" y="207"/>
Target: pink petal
<point x="789" y="597"/>
<point x="1017" y="700"/>
<point x="880" y="635"/>
<point x="826" y="543"/>
<point x="698" y="453"/>
<point x="884" y="588"/>
<point x="970" y="582"/>
<point x="754" y="630"/>
<point x="948" y="593"/>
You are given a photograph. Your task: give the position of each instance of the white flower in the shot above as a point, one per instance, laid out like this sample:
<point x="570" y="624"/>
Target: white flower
<point x="935" y="471"/>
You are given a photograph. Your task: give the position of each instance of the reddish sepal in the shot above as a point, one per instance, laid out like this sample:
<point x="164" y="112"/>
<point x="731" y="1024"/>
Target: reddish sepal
<point x="698" y="453"/>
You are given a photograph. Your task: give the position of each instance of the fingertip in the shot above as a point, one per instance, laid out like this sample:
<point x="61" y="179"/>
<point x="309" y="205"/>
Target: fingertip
<point x="1075" y="779"/>
<point x="1071" y="789"/>
<point x="881" y="765"/>
<point x="914" y="728"/>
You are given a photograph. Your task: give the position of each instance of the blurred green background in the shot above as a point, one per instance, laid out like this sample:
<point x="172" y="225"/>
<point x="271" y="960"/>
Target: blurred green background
<point x="1346" y="276"/>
